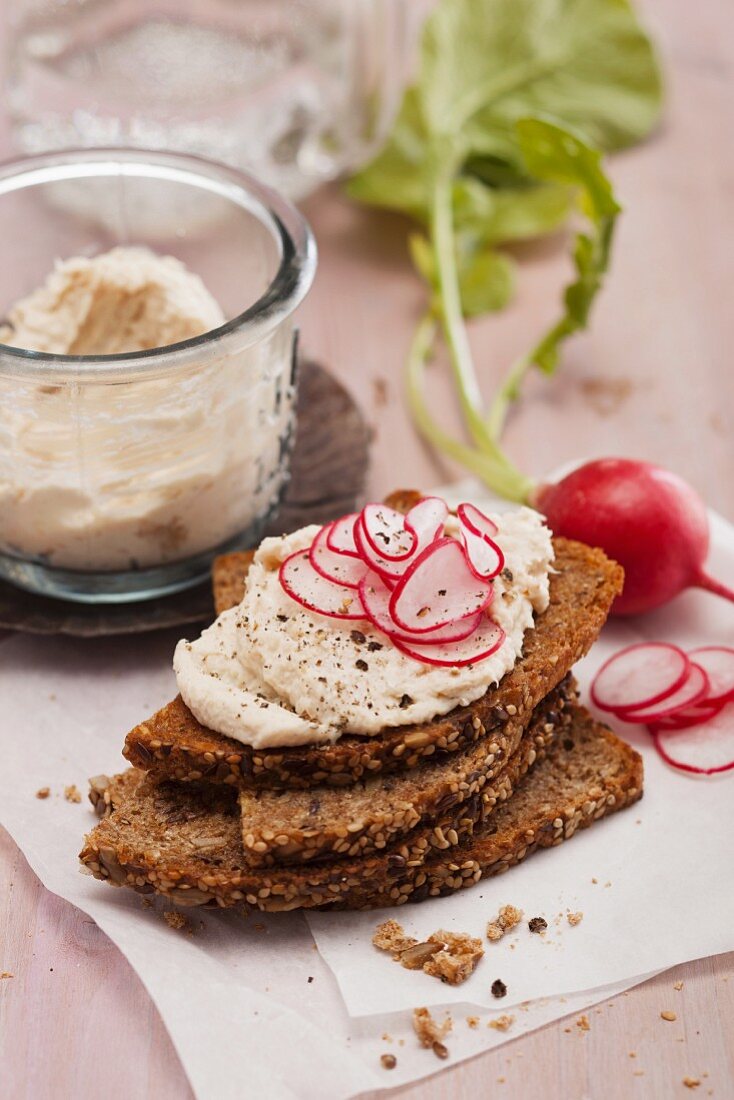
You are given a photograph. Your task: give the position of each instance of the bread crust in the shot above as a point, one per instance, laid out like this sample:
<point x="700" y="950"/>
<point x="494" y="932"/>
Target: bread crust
<point x="184" y="841"/>
<point x="582" y="588"/>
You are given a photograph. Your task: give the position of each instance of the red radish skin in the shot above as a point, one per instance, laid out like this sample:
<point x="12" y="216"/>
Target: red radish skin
<point x="340" y="538"/>
<point x="340" y="568"/>
<point x="690" y="716"/>
<point x="313" y="591"/>
<point x="639" y="676"/>
<point x="472" y="517"/>
<point x="439" y="587"/>
<point x="375" y="596"/>
<point x="485" y="557"/>
<point x="717" y="661"/>
<point x="693" y="689"/>
<point x="646" y="518"/>
<point x="386" y="532"/>
<point x="481" y="644"/>
<point x="704" y="749"/>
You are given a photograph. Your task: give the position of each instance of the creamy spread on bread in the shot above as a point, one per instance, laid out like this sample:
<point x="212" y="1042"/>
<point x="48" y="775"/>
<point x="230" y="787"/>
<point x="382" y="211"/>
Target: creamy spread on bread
<point x="271" y="673"/>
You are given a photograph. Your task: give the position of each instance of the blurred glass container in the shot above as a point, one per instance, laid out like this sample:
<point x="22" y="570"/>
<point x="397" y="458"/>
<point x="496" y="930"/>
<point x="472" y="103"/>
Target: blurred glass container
<point x="122" y="475"/>
<point x="295" y="91"/>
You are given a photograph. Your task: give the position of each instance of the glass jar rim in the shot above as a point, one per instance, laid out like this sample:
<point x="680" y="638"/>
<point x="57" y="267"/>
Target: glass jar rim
<point x="288" y="287"/>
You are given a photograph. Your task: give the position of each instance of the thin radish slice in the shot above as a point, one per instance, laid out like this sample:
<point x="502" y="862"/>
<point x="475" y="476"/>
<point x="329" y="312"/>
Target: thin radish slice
<point x="639" y="676"/>
<point x="309" y="589"/>
<point x="485" y="641"/>
<point x="390" y="571"/>
<point x="485" y="557"/>
<point x="386" y="532"/>
<point x="375" y="595"/>
<point x="438" y="588"/>
<point x="691" y="716"/>
<point x="340" y="537"/>
<point x="426" y="520"/>
<point x="693" y="689"/>
<point x="470" y="516"/>
<point x="704" y="749"/>
<point x="717" y="661"/>
<point x="340" y="568"/>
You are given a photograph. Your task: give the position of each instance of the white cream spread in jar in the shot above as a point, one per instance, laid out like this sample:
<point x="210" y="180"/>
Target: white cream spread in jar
<point x="107" y="476"/>
<point x="270" y="672"/>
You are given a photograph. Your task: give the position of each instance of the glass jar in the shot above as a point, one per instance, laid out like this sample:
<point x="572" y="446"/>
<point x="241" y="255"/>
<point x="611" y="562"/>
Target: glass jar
<point x="122" y="475"/>
<point x="296" y="91"/>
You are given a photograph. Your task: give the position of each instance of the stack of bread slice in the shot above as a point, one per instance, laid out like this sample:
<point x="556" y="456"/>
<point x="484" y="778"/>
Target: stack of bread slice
<point x="418" y="811"/>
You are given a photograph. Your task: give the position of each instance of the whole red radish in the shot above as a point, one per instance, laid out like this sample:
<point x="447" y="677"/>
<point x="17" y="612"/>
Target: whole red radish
<point x="646" y="518"/>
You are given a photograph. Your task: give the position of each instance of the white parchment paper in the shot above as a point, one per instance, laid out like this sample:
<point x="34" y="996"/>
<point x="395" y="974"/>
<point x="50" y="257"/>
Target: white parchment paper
<point x="243" y="983"/>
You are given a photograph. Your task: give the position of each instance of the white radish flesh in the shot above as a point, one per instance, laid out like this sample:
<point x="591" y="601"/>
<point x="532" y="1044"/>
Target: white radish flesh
<point x="717" y="661"/>
<point x="693" y="689"/>
<point x="385" y="531"/>
<point x="704" y="749"/>
<point x="337" y="567"/>
<point x="426" y="520"/>
<point x="639" y="676"/>
<point x="485" y="641"/>
<point x="375" y="595"/>
<point x="470" y="516"/>
<point x="485" y="556"/>
<point x="438" y="588"/>
<point x="311" y="590"/>
<point x="340" y="537"/>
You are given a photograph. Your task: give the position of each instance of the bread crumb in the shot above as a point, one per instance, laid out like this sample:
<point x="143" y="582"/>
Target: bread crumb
<point x="430" y="1033"/>
<point x="387" y="1038"/>
<point x="389" y="1061"/>
<point x="71" y="794"/>
<point x="472" y="1021"/>
<point x="508" y="918"/>
<point x="449" y="956"/>
<point x="500" y="1080"/>
<point x="178" y="921"/>
<point x="678" y="986"/>
<point x="595" y="880"/>
<point x="691" y="1082"/>
<point x="6" y="974"/>
<point x="146" y="903"/>
<point x="633" y="1054"/>
<point x="498" y="988"/>
<point x="390" y="936"/>
<point x="574" y="918"/>
<point x="43" y="792"/>
<point x="583" y="1023"/>
<point x="669" y="1016"/>
<point x="502" y="1023"/>
<point x="537" y="924"/>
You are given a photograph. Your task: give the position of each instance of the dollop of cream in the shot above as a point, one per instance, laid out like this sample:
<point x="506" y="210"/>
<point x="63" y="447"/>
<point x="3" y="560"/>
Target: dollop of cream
<point x="270" y="673"/>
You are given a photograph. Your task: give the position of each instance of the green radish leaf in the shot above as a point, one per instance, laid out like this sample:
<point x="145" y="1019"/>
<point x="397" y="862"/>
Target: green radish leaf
<point x="399" y="178"/>
<point x="555" y="154"/>
<point x="486" y="282"/>
<point x="486" y="277"/>
<point x="588" y="63"/>
<point x="510" y="214"/>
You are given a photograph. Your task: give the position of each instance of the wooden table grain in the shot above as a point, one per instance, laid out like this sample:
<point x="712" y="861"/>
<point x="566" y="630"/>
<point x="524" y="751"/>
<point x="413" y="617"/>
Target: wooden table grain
<point x="651" y="379"/>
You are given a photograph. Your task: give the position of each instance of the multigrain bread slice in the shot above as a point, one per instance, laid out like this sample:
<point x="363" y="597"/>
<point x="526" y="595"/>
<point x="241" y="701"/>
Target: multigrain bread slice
<point x="185" y="841"/>
<point x="173" y="744"/>
<point x="418" y="807"/>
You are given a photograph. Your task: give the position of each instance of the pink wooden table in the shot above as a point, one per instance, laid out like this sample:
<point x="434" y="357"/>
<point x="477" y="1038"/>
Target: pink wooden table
<point x="653" y="379"/>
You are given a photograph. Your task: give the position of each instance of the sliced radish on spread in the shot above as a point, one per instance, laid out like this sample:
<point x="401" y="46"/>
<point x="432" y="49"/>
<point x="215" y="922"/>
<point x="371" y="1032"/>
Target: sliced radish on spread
<point x="312" y="590"/>
<point x="386" y="532"/>
<point x="693" y="689"/>
<point x="639" y="676"/>
<point x="471" y="517"/>
<point x="389" y="570"/>
<point x="375" y="595"/>
<point x="335" y="566"/>
<point x="485" y="641"/>
<point x="704" y="749"/>
<point x="340" y="536"/>
<point x="717" y="661"/>
<point x="426" y="520"/>
<point x="439" y="587"/>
